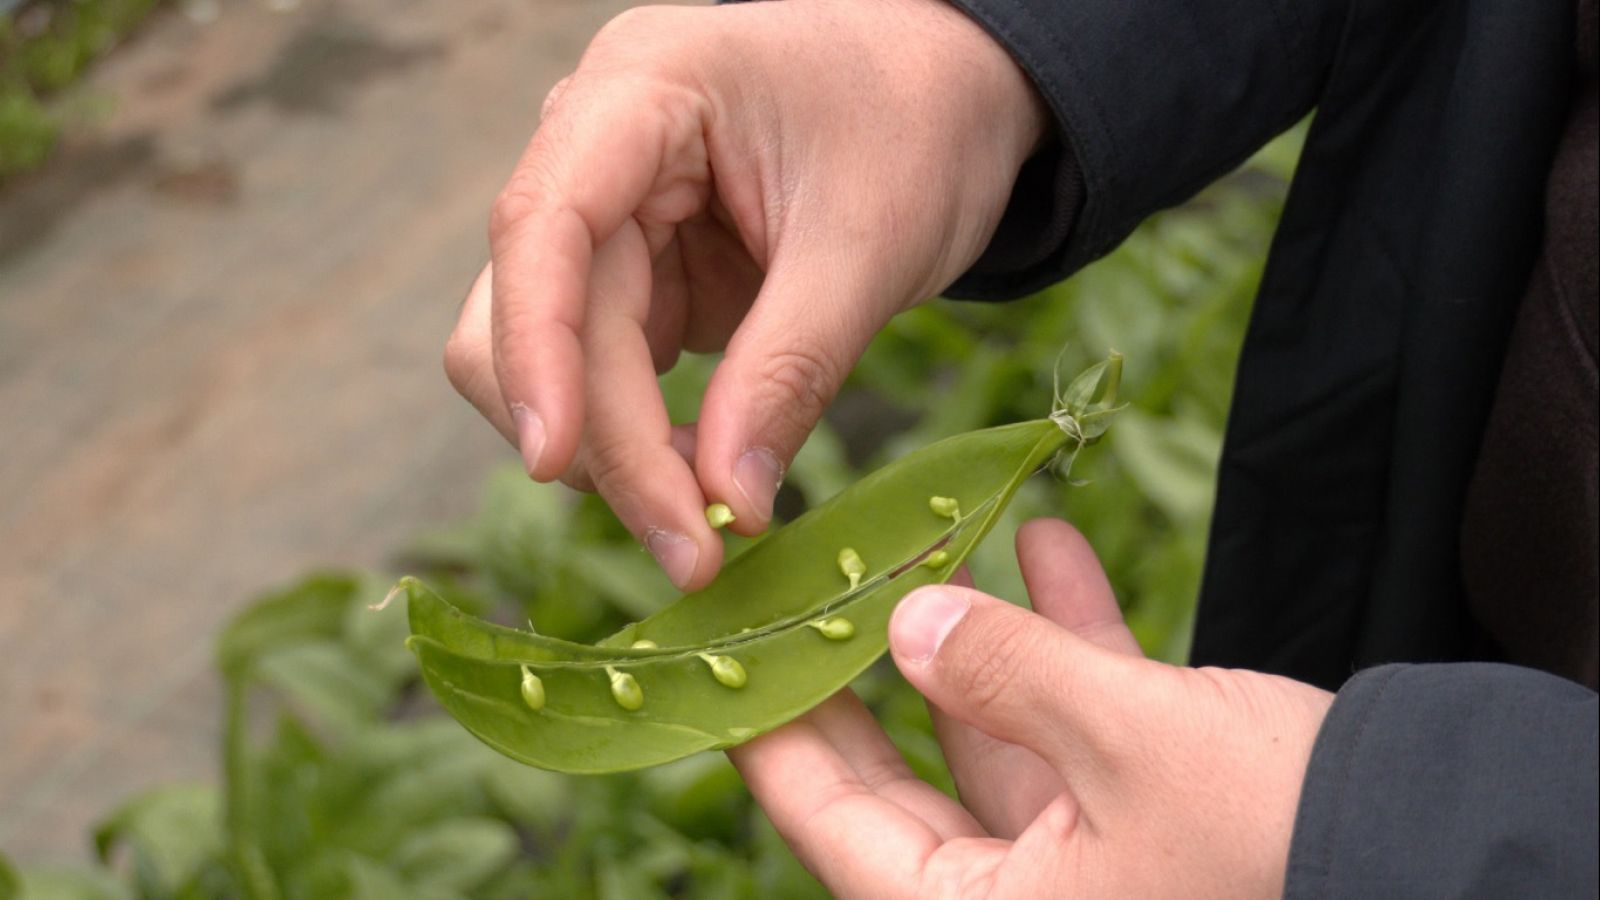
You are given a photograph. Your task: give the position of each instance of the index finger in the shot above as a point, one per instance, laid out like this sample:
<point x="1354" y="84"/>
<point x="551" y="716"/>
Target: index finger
<point x="588" y="168"/>
<point x="857" y="842"/>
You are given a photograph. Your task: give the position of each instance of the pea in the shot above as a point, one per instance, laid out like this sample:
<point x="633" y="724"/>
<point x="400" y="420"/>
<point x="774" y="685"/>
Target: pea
<point x="718" y="515"/>
<point x="851" y="565"/>
<point x="726" y="670"/>
<point x="532" y="690"/>
<point x="743" y="655"/>
<point x="835" y="628"/>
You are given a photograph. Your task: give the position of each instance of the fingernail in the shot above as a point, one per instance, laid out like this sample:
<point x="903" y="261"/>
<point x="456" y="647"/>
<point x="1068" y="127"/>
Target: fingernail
<point x="675" y="552"/>
<point x="757" y="474"/>
<point x="530" y="435"/>
<point x="923" y="620"/>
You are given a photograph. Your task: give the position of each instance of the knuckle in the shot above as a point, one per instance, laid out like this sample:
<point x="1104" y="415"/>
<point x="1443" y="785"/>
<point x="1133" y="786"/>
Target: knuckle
<point x="949" y="874"/>
<point x="631" y="26"/>
<point x="804" y="382"/>
<point x="664" y="359"/>
<point x="577" y="475"/>
<point x="463" y="363"/>
<point x="1059" y="821"/>
<point x="994" y="673"/>
<point x="518" y="201"/>
<point x="554" y="96"/>
<point x="651" y="41"/>
<point x="609" y="461"/>
<point x="1226" y="689"/>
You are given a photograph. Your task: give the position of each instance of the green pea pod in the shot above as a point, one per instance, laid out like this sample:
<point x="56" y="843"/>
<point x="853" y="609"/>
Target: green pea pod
<point x="784" y="626"/>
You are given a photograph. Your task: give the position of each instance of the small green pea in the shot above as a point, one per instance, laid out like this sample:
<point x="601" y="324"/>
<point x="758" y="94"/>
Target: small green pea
<point x="726" y="670"/>
<point x="643" y="644"/>
<point x="835" y="628"/>
<point x="532" y="690"/>
<point x="625" y="690"/>
<point x="938" y="559"/>
<point x="719" y="515"/>
<point x="851" y="565"/>
<point x="945" y="506"/>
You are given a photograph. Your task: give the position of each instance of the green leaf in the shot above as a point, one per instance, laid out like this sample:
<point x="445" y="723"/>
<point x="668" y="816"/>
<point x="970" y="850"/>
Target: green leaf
<point x="533" y="798"/>
<point x="624" y="575"/>
<point x="457" y="855"/>
<point x="62" y="883"/>
<point x="1174" y="461"/>
<point x="349" y="876"/>
<point x="618" y="880"/>
<point x="172" y="833"/>
<point x="699" y="796"/>
<point x="10" y="882"/>
<point x="382" y="784"/>
<point x="313" y="608"/>
<point x="323" y="678"/>
<point x="682" y="388"/>
<point x="820" y="469"/>
<point x="777" y="872"/>
<point x="374" y="636"/>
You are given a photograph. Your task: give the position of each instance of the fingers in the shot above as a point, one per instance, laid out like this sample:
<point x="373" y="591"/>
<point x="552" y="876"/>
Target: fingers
<point x="847" y="723"/>
<point x="629" y="448"/>
<point x="802" y="776"/>
<point x="578" y="478"/>
<point x="595" y="162"/>
<point x="1007" y="786"/>
<point x="782" y="368"/>
<point x="1003" y="785"/>
<point x="721" y="277"/>
<point x="1013" y="674"/>
<point x="1067" y="585"/>
<point x="469" y="358"/>
<point x="669" y="307"/>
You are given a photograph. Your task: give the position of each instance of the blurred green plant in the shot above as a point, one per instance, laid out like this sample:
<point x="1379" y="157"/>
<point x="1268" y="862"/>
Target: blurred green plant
<point x="341" y="779"/>
<point x="44" y="46"/>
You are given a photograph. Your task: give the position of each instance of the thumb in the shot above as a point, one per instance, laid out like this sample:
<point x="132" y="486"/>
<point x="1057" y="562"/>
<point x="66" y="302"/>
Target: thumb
<point x="782" y="368"/>
<point x="1013" y="674"/>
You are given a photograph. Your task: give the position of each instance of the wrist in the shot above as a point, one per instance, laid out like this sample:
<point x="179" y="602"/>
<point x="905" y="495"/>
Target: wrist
<point x="1005" y="96"/>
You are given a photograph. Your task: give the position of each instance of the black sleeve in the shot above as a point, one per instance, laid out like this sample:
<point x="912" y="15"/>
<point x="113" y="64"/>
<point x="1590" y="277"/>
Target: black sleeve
<point x="1152" y="99"/>
<point x="1462" y="780"/>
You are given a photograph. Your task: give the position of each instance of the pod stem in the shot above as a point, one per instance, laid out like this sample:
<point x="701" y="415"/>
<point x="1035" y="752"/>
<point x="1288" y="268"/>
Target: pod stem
<point x="1083" y="411"/>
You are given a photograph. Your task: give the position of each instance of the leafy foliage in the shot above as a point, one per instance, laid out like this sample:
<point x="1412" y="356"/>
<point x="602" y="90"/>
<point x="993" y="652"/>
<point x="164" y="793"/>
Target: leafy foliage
<point x="44" y="46"/>
<point x="342" y="780"/>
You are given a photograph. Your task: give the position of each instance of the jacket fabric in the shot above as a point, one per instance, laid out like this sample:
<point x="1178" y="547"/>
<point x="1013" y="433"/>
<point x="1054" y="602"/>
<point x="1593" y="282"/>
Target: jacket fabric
<point x="1363" y="392"/>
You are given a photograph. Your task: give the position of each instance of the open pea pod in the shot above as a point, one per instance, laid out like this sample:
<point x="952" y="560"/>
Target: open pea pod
<point x="785" y="625"/>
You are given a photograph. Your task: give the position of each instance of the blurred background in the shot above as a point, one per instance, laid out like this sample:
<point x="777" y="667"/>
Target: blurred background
<point x="233" y="238"/>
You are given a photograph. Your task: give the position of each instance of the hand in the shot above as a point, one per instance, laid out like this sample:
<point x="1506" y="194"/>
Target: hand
<point x="773" y="179"/>
<point x="1084" y="769"/>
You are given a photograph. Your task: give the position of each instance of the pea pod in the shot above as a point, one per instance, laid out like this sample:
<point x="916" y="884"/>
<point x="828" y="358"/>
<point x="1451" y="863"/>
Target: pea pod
<point x="784" y="625"/>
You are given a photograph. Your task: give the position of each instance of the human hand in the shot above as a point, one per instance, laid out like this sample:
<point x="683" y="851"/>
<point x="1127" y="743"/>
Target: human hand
<point x="1083" y="768"/>
<point x="772" y="179"/>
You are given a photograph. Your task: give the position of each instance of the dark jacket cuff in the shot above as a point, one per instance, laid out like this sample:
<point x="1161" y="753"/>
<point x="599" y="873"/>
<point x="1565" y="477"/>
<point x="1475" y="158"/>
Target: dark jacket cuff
<point x="1464" y="780"/>
<point x="1152" y="101"/>
<point x="1047" y="198"/>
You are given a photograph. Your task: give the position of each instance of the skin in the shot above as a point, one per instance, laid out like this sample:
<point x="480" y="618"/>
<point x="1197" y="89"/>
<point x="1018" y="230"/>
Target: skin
<point x="773" y="180"/>
<point x="1083" y="768"/>
<point x="776" y="181"/>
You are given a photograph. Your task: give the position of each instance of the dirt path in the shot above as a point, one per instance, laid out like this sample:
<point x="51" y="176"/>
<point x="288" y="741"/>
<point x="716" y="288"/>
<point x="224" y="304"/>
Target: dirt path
<point x="220" y="321"/>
